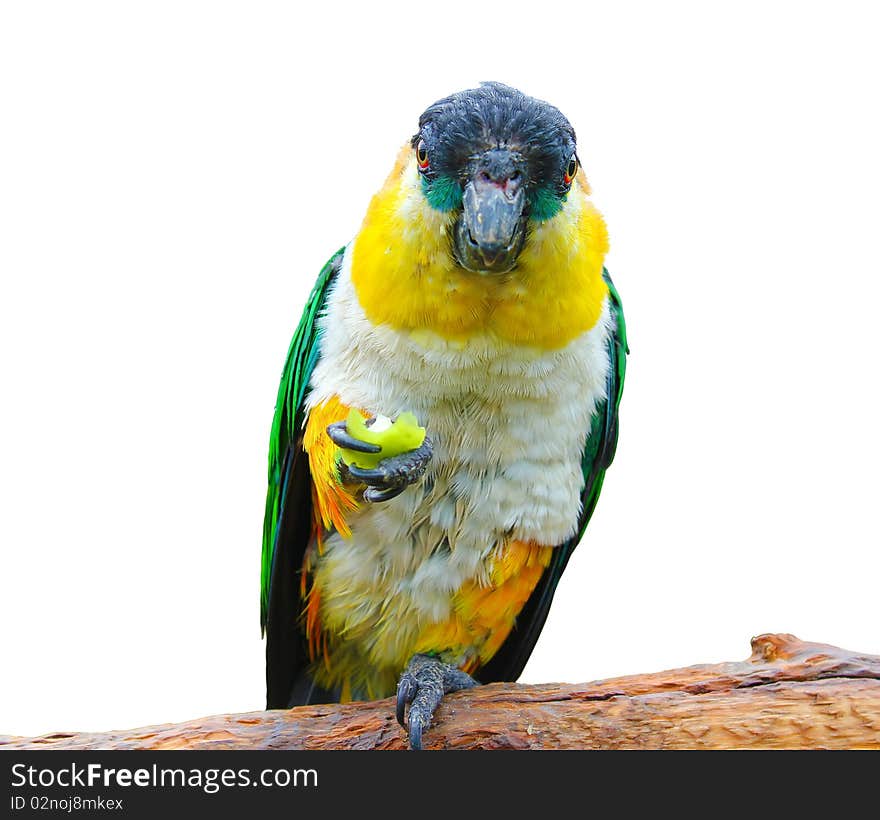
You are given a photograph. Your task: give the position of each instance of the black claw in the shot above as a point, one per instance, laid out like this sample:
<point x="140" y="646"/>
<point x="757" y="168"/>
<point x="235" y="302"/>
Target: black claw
<point x="374" y="495"/>
<point x="368" y="476"/>
<point x="415" y="735"/>
<point x="342" y="438"/>
<point x="406" y="691"/>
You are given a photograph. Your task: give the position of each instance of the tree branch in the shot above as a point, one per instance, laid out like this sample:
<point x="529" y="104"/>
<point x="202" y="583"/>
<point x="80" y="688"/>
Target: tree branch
<point x="788" y="694"/>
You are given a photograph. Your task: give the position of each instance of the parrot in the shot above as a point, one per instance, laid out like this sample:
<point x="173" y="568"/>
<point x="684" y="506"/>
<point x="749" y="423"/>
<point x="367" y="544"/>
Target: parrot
<point x="475" y="298"/>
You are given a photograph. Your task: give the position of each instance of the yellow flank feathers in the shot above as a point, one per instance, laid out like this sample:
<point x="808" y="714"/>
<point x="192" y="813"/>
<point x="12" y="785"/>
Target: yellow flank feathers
<point x="406" y="276"/>
<point x="484" y="615"/>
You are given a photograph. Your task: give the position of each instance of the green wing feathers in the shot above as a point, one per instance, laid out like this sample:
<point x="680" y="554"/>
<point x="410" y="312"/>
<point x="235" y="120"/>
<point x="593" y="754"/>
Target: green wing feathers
<point x="301" y="358"/>
<point x="602" y="442"/>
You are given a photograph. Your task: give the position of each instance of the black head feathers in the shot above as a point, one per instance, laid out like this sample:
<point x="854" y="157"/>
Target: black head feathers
<point x="461" y="127"/>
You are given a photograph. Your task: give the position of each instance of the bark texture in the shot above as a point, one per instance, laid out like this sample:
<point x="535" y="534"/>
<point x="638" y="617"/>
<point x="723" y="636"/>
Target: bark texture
<point x="789" y="694"/>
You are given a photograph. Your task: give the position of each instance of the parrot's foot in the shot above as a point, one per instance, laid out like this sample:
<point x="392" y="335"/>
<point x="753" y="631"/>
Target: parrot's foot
<point x="422" y="686"/>
<point x="392" y="475"/>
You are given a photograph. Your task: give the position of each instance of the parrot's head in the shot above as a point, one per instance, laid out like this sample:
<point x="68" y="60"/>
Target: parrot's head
<point x="484" y="225"/>
<point x="497" y="159"/>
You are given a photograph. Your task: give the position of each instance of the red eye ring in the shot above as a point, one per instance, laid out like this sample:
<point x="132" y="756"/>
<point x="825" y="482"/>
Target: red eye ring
<point x="570" y="170"/>
<point x="422" y="155"/>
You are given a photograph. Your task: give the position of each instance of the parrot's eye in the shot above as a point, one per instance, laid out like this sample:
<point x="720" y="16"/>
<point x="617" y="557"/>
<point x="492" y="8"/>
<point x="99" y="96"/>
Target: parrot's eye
<point x="422" y="155"/>
<point x="571" y="170"/>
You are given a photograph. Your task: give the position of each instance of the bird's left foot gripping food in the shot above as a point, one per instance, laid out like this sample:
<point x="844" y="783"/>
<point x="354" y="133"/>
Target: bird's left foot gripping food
<point x="386" y="456"/>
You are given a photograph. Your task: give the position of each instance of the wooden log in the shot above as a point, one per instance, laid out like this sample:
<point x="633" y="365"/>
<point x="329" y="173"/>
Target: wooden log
<point x="788" y="694"/>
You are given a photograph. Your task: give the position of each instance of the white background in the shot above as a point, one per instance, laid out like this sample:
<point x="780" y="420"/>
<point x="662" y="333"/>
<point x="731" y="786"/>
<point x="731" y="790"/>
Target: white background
<point x="174" y="174"/>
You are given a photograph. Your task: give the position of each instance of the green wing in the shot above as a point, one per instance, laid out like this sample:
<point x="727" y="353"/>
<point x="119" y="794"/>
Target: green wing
<point x="287" y="521"/>
<point x="511" y="658"/>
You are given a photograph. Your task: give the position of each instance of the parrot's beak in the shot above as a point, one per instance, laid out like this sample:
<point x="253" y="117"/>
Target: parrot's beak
<point x="490" y="231"/>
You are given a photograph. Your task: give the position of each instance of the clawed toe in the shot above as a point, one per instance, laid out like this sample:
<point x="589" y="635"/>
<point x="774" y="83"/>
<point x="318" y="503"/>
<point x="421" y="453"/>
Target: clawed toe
<point x="422" y="687"/>
<point x="374" y="495"/>
<point x="375" y="477"/>
<point x="338" y="432"/>
<point x="406" y="691"/>
<point x="391" y="476"/>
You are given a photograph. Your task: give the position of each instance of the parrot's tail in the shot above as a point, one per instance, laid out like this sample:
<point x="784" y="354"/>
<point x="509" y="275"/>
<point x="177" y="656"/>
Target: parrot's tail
<point x="306" y="692"/>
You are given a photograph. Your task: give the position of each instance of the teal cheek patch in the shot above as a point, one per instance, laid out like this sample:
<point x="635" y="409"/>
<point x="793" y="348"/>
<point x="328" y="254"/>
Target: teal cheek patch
<point x="442" y="193"/>
<point x="545" y="204"/>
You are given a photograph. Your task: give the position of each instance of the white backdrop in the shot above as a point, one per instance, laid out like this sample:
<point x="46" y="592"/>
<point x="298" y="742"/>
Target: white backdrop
<point x="174" y="174"/>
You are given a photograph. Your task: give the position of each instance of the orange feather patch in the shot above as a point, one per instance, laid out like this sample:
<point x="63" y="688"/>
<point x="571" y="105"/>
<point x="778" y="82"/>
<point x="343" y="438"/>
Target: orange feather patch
<point x="331" y="499"/>
<point x="484" y="614"/>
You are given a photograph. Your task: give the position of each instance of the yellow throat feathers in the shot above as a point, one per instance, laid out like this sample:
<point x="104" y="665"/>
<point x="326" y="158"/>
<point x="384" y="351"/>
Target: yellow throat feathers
<point x="406" y="277"/>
